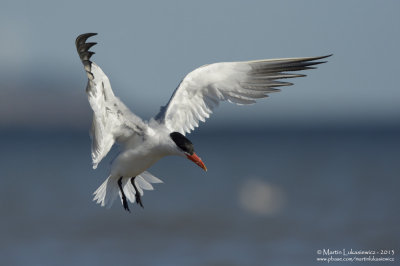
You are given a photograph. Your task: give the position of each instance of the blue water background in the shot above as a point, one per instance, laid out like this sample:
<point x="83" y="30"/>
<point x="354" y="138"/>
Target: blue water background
<point x="340" y="189"/>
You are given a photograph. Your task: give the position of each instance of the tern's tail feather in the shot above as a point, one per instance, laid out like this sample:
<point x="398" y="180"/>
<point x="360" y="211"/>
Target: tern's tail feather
<point x="106" y="194"/>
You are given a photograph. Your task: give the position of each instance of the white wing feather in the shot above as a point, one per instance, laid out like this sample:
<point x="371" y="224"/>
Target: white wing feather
<point x="112" y="120"/>
<point x="237" y="82"/>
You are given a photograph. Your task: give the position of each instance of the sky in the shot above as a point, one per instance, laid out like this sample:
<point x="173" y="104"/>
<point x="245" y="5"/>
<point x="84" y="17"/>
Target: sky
<point x="147" y="47"/>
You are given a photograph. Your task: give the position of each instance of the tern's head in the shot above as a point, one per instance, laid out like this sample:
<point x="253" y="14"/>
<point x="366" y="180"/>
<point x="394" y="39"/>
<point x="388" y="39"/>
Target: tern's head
<point x="186" y="147"/>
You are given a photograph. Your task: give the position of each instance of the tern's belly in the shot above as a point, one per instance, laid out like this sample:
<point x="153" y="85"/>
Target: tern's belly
<point x="129" y="163"/>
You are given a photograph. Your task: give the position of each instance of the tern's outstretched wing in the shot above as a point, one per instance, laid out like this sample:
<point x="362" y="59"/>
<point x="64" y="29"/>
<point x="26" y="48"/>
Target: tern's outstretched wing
<point x="238" y="82"/>
<point x="112" y="120"/>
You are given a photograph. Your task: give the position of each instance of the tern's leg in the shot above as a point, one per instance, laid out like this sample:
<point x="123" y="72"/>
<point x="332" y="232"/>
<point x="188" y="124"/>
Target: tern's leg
<point x="124" y="201"/>
<point x="137" y="194"/>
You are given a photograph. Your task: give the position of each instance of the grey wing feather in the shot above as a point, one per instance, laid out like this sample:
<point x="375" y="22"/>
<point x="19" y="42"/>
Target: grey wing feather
<point x="237" y="82"/>
<point x="112" y="120"/>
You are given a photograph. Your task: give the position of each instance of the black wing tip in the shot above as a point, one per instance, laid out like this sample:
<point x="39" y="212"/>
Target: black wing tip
<point x="321" y="57"/>
<point x="309" y="61"/>
<point x="83" y="48"/>
<point x="83" y="37"/>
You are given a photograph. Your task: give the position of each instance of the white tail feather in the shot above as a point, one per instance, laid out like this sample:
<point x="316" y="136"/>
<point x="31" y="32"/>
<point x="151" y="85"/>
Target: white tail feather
<point x="106" y="194"/>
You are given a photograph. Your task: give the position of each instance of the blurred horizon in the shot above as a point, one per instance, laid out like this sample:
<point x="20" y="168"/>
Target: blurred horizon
<point x="62" y="105"/>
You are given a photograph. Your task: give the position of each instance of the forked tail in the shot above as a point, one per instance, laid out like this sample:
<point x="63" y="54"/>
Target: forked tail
<point x="128" y="188"/>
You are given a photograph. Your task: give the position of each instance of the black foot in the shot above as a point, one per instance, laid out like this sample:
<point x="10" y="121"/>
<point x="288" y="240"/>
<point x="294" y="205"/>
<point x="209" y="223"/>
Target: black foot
<point x="137" y="194"/>
<point x="124" y="201"/>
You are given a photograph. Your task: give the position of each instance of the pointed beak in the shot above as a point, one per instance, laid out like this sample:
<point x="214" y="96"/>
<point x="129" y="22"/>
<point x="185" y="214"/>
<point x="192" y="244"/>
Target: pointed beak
<point x="194" y="158"/>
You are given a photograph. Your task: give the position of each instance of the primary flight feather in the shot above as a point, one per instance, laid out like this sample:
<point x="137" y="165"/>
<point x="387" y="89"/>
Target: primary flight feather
<point x="145" y="142"/>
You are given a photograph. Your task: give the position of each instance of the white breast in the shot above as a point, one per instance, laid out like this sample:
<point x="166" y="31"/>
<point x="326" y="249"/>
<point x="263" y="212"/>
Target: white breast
<point x="136" y="158"/>
<point x="131" y="163"/>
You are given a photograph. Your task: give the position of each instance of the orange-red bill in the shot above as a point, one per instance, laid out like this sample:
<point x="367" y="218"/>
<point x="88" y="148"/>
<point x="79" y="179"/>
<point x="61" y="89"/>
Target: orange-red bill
<point x="194" y="158"/>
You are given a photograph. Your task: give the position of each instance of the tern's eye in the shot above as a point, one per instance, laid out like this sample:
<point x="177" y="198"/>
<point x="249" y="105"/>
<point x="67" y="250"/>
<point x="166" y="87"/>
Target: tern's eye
<point x="182" y="142"/>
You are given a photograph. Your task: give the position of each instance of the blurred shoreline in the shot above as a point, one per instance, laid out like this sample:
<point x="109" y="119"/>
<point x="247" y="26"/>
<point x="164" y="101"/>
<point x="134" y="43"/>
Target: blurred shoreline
<point x="229" y="129"/>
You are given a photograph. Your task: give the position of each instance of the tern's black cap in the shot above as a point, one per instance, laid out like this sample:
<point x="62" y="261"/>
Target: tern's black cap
<point x="182" y="142"/>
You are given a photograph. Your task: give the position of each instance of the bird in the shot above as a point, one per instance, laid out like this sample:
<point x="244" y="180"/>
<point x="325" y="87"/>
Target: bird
<point x="143" y="143"/>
